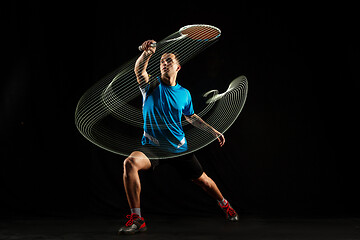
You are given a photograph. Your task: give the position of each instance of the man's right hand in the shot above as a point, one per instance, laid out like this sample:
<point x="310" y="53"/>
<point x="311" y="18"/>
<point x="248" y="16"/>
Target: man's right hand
<point x="146" y="46"/>
<point x="142" y="62"/>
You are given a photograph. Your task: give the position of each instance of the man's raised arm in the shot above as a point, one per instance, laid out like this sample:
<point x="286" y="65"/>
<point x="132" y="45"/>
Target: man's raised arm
<point x="142" y="62"/>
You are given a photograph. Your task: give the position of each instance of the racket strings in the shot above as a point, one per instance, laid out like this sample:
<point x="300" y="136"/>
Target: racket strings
<point x="201" y="32"/>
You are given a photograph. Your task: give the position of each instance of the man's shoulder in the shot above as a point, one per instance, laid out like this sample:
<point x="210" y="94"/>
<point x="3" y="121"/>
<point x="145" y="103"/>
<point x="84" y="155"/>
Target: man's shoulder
<point x="184" y="89"/>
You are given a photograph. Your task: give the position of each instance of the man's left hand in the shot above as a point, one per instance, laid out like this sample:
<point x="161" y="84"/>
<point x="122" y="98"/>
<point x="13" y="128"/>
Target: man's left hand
<point x="220" y="138"/>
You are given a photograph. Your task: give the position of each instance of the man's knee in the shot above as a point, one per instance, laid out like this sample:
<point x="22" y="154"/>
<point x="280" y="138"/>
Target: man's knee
<point x="130" y="163"/>
<point x="136" y="161"/>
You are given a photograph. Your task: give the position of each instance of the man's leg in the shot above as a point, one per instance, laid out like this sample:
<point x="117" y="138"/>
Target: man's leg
<point x="132" y="165"/>
<point x="211" y="188"/>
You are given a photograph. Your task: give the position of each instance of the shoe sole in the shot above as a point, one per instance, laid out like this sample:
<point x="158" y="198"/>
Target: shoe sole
<point x="131" y="233"/>
<point x="236" y="219"/>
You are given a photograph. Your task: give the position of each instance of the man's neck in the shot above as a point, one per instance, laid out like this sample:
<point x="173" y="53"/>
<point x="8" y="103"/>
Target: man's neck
<point x="170" y="81"/>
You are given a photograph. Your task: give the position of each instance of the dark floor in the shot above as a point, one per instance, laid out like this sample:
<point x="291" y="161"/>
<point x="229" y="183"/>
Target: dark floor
<point x="166" y="227"/>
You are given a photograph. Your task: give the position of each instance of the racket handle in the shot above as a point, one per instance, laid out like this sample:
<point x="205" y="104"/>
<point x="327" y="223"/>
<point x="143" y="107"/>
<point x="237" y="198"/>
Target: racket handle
<point x="152" y="45"/>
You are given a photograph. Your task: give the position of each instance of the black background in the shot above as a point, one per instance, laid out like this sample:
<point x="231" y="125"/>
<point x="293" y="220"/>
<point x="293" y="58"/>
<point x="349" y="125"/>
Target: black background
<point x="288" y="153"/>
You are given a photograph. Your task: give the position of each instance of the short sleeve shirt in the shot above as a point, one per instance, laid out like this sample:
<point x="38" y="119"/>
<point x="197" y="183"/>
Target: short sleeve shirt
<point x="163" y="107"/>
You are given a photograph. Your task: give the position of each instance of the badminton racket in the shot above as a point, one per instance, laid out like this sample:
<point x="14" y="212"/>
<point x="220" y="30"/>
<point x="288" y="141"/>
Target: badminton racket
<point x="199" y="32"/>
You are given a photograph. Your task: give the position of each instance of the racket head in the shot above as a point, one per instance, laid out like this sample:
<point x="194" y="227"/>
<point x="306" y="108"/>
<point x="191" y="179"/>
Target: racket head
<point x="201" y="32"/>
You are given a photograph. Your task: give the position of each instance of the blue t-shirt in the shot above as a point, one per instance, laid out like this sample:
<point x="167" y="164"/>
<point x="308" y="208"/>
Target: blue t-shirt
<point x="163" y="107"/>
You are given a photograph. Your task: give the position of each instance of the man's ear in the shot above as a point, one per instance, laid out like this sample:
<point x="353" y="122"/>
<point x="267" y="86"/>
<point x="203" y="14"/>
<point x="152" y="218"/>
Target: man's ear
<point x="178" y="68"/>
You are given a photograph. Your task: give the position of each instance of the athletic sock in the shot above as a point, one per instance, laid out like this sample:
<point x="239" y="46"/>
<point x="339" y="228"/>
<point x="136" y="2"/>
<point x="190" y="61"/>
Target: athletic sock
<point x="136" y="211"/>
<point x="222" y="202"/>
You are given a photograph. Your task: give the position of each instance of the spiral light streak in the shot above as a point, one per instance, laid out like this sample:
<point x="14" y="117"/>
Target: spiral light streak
<point x="109" y="114"/>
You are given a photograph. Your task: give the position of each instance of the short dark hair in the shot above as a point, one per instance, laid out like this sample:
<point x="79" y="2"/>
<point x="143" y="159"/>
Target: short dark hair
<point x="176" y="56"/>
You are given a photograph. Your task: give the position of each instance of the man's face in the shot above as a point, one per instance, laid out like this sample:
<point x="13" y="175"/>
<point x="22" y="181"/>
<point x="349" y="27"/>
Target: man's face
<point x="169" y="65"/>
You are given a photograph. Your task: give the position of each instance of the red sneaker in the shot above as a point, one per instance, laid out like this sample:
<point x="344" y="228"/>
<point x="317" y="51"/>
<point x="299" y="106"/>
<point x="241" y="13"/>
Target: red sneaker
<point x="231" y="215"/>
<point x="134" y="225"/>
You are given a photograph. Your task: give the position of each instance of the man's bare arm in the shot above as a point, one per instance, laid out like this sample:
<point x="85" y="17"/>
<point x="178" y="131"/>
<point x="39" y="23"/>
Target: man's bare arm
<point x="142" y="62"/>
<point x="196" y="121"/>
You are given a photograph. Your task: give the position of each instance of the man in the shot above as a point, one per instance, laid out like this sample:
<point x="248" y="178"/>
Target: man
<point x="164" y="103"/>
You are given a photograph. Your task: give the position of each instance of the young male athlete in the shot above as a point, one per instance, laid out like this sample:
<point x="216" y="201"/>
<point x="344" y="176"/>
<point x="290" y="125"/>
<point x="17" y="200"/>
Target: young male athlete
<point x="164" y="103"/>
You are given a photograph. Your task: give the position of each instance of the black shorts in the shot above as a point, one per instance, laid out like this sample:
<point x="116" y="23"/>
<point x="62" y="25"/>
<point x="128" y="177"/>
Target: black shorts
<point x="187" y="165"/>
